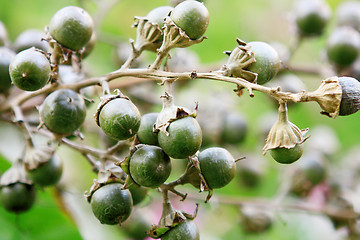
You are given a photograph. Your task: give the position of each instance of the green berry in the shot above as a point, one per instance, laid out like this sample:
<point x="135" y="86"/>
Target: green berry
<point x="145" y="133"/>
<point x="157" y="15"/>
<point x="48" y="173"/>
<point x="31" y="38"/>
<point x="287" y="155"/>
<point x="192" y="17"/>
<point x="343" y="46"/>
<point x="311" y="16"/>
<point x="30" y="70"/>
<point x="184" y="138"/>
<point x="72" y="27"/>
<point x="63" y="111"/>
<point x="267" y="63"/>
<point x="217" y="166"/>
<point x="184" y="231"/>
<point x="110" y="204"/>
<point x="6" y="56"/>
<point x="233" y="129"/>
<point x="119" y="119"/>
<point x="17" y="197"/>
<point x="149" y="166"/>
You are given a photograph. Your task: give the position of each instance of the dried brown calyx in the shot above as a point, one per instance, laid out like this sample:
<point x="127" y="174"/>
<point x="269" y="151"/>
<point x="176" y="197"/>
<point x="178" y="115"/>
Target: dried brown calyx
<point x="148" y="35"/>
<point x="170" y="112"/>
<point x="37" y="156"/>
<point x="15" y="174"/>
<point x="109" y="173"/>
<point x="239" y="60"/>
<point x="283" y="133"/>
<point x="170" y="218"/>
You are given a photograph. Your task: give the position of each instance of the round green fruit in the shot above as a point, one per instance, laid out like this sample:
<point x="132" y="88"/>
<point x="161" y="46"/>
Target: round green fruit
<point x="343" y="46"/>
<point x="138" y="194"/>
<point x="119" y="119"/>
<point x="30" y="70"/>
<point x="145" y="133"/>
<point x="233" y="129"/>
<point x="192" y="17"/>
<point x="348" y="14"/>
<point x="217" y="166"/>
<point x="63" y="111"/>
<point x="184" y="138"/>
<point x="184" y="231"/>
<point x="72" y="27"/>
<point x="267" y="63"/>
<point x="287" y="155"/>
<point x="110" y="204"/>
<point x="311" y="16"/>
<point x="17" y="197"/>
<point x="158" y="15"/>
<point x="48" y="173"/>
<point x="6" y="56"/>
<point x="150" y="166"/>
<point x="31" y="38"/>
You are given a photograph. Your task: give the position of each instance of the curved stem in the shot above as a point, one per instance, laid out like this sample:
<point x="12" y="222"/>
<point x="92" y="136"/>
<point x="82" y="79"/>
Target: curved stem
<point x="157" y="75"/>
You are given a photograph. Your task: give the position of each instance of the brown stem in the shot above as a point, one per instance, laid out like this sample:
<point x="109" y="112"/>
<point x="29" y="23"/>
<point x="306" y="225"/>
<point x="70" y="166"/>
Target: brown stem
<point x="157" y="75"/>
<point x="101" y="154"/>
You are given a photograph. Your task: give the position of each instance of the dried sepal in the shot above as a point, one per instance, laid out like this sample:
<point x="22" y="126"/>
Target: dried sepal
<point x="15" y="174"/>
<point x="239" y="60"/>
<point x="328" y="96"/>
<point x="175" y="37"/>
<point x="194" y="176"/>
<point x="37" y="156"/>
<point x="148" y="34"/>
<point x="283" y="133"/>
<point x="104" y="100"/>
<point x="170" y="218"/>
<point x="169" y="113"/>
<point x="110" y="174"/>
<point x="125" y="166"/>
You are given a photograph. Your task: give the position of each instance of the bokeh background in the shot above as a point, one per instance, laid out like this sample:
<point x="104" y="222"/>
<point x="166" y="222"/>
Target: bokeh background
<point x="62" y="212"/>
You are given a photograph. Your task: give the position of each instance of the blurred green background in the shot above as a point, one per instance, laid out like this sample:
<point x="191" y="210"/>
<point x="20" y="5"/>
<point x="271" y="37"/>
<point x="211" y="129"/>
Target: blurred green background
<point x="65" y="215"/>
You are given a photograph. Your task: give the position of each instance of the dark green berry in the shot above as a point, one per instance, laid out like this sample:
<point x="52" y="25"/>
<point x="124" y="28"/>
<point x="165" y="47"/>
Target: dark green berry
<point x="311" y="16"/>
<point x="150" y="166"/>
<point x="6" y="56"/>
<point x="233" y="129"/>
<point x="343" y="46"/>
<point x="63" y="111"/>
<point x="217" y="166"/>
<point x="145" y="134"/>
<point x="184" y="138"/>
<point x="138" y="194"/>
<point x="184" y="231"/>
<point x="110" y="204"/>
<point x="48" y="173"/>
<point x="17" y="197"/>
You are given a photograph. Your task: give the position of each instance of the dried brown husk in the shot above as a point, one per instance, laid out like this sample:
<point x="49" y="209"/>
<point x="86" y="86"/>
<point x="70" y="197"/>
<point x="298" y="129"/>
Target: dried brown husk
<point x="239" y="60"/>
<point x="283" y="133"/>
